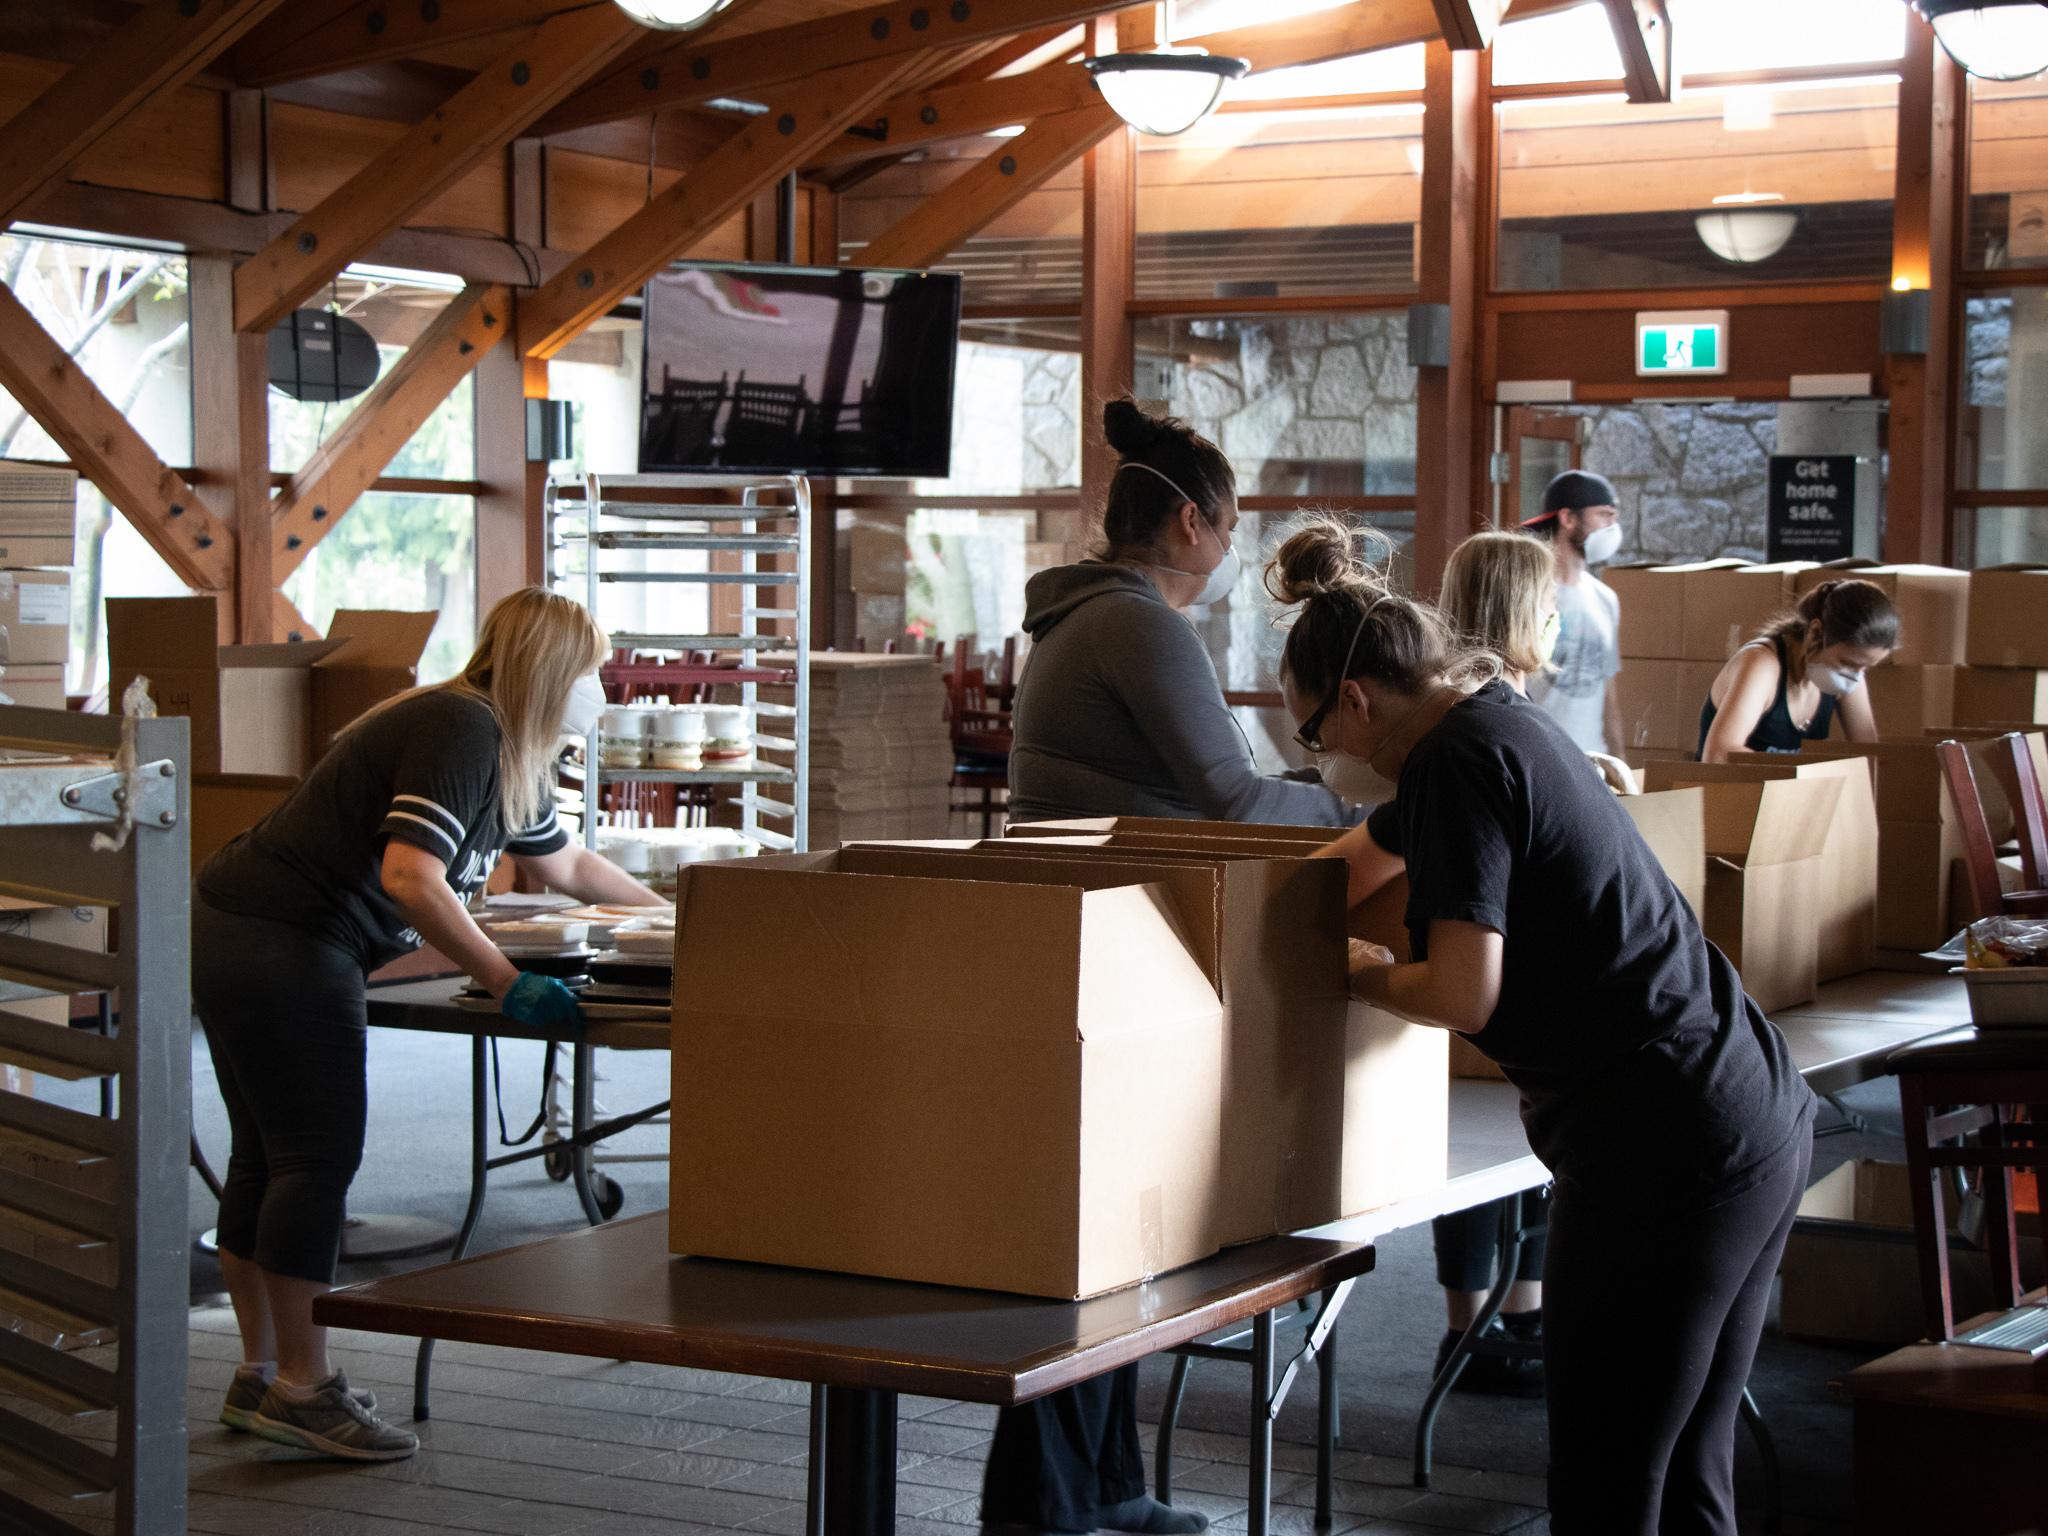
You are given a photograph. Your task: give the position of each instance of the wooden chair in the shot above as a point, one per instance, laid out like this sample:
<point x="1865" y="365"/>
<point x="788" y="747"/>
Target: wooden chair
<point x="2013" y="764"/>
<point x="981" y="740"/>
<point x="1980" y="856"/>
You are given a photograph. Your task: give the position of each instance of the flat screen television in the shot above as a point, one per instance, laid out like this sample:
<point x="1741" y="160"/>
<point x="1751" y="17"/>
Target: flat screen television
<point x="798" y="370"/>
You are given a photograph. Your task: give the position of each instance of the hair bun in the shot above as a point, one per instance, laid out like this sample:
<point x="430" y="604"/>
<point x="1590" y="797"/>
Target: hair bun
<point x="1316" y="559"/>
<point x="1130" y="431"/>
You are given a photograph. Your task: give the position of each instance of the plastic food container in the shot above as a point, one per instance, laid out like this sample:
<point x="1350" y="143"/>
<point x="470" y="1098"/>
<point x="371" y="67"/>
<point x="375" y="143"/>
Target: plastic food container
<point x="2008" y="998"/>
<point x="634" y="857"/>
<point x="728" y="735"/>
<point x="622" y="739"/>
<point x="678" y="740"/>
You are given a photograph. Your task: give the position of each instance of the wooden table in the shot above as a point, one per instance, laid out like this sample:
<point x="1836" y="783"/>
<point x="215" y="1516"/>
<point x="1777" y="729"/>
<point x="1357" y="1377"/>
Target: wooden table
<point x="616" y="1292"/>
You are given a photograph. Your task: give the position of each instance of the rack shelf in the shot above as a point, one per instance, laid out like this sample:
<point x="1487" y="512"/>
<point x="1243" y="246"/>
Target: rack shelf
<point x="577" y="512"/>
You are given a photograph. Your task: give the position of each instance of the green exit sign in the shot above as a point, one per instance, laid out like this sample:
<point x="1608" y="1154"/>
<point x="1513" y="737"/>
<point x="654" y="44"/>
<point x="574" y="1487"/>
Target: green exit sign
<point x="1677" y="342"/>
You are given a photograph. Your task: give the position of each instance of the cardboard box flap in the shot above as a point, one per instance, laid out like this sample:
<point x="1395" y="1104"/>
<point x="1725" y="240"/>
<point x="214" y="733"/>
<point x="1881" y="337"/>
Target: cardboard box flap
<point x="1168" y="826"/>
<point x="379" y="637"/>
<point x="1137" y="977"/>
<point x="1779" y="822"/>
<point x="1195" y="890"/>
<point x="162" y="633"/>
<point x="292" y="653"/>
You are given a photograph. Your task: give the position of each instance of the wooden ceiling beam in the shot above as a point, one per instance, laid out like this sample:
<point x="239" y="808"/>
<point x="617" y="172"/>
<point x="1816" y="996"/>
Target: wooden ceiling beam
<point x="694" y="70"/>
<point x="801" y="119"/>
<point x="1642" y="35"/>
<point x="946" y="220"/>
<point x="1364" y="26"/>
<point x="1008" y="52"/>
<point x="163" y="45"/>
<point x="542" y="66"/>
<point x="349" y="462"/>
<point x="96" y="436"/>
<point x="305" y="40"/>
<point x="1469" y="24"/>
<point x="953" y="112"/>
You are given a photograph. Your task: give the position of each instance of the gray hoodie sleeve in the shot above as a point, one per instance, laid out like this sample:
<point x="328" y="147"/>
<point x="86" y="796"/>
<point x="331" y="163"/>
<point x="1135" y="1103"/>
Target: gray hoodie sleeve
<point x="1167" y="681"/>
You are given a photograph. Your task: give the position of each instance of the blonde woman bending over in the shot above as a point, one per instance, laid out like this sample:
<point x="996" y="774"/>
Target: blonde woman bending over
<point x="374" y="852"/>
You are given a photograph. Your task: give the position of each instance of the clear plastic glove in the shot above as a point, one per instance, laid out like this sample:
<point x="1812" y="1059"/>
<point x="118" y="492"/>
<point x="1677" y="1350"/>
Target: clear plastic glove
<point x="1615" y="772"/>
<point x="1365" y="954"/>
<point x="537" y="999"/>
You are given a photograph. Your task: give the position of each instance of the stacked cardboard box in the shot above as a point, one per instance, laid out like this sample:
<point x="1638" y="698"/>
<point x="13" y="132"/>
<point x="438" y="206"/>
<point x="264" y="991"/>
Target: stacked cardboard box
<point x="2006" y="680"/>
<point x="881" y="758"/>
<point x="38" y="511"/>
<point x="38" y="508"/>
<point x="1921" y="686"/>
<point x="872" y="567"/>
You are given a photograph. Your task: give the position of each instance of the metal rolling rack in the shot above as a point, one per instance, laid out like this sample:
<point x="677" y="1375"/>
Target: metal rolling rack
<point x="49" y="813"/>
<point x="682" y="525"/>
<point x="588" y="505"/>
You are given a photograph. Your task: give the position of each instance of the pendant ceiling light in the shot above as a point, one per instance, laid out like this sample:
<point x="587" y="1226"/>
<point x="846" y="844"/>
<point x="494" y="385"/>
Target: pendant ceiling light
<point x="1992" y="39"/>
<point x="672" y="15"/>
<point x="1749" y="234"/>
<point x="1167" y="91"/>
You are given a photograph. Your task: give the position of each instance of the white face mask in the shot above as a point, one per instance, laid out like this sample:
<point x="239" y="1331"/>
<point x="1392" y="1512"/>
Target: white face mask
<point x="1832" y="680"/>
<point x="585" y="706"/>
<point x="1602" y="544"/>
<point x="1355" y="779"/>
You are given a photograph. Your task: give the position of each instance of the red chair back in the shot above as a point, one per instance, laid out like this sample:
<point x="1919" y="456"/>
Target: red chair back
<point x="2013" y="762"/>
<point x="1978" y="853"/>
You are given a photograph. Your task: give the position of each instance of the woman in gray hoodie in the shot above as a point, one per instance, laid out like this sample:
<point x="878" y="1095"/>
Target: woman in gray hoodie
<point x="1120" y="714"/>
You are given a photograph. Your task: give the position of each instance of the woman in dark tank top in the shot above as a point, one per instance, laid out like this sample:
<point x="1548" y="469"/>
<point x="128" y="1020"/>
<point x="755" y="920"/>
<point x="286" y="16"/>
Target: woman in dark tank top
<point x="1786" y="687"/>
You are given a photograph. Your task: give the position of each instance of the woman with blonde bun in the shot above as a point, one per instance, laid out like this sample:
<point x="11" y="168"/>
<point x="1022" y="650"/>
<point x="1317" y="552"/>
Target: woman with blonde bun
<point x="1542" y="928"/>
<point x="377" y="850"/>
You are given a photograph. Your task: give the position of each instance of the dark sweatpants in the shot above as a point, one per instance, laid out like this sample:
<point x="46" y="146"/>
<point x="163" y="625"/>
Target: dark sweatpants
<point x="1059" y="1461"/>
<point x="286" y="1023"/>
<point x="1650" y="1324"/>
<point x="1468" y="1244"/>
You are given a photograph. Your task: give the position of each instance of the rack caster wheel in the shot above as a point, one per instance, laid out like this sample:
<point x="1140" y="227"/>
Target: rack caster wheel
<point x="611" y="1199"/>
<point x="556" y="1161"/>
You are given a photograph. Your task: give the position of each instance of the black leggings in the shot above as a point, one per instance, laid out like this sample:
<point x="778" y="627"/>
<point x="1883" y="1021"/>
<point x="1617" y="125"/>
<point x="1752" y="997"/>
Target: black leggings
<point x="286" y="1024"/>
<point x="1650" y="1324"/>
<point x="1058" y="1462"/>
<point x="1468" y="1244"/>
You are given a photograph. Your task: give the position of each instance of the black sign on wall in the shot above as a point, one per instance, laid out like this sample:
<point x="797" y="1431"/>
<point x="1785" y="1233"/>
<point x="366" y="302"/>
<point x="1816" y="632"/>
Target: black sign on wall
<point x="1812" y="512"/>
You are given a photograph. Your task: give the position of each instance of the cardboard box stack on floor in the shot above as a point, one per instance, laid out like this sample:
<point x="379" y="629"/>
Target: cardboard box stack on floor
<point x="1844" y="912"/>
<point x="1679" y="624"/>
<point x="38" y="508"/>
<point x="2006" y="680"/>
<point x="881" y="758"/>
<point x="1921" y="686"/>
<point x="872" y="567"/>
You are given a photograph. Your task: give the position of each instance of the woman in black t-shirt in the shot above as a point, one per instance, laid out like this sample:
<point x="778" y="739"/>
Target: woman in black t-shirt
<point x="1543" y="929"/>
<point x="374" y="852"/>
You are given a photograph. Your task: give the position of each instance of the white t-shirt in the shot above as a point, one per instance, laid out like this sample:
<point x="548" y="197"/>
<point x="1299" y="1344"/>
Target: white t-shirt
<point x="1588" y="654"/>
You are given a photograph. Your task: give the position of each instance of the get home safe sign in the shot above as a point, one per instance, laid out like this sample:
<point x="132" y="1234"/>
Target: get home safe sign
<point x="1811" y="511"/>
<point x="1681" y="342"/>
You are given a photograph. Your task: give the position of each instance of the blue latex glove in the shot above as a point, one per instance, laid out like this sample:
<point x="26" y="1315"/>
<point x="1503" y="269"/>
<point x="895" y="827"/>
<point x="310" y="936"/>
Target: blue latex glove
<point x="537" y="999"/>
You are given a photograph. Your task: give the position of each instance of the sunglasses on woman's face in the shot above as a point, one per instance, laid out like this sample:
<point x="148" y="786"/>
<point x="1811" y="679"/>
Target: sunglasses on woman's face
<point x="1310" y="737"/>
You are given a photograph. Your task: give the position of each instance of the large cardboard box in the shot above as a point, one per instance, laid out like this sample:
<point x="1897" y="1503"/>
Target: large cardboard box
<point x="1908" y="700"/>
<point x="37" y="687"/>
<point x="251" y="706"/>
<point x="2008" y="621"/>
<point x="1999" y="696"/>
<point x="1933" y="603"/>
<point x="381" y="658"/>
<point x="1673" y="822"/>
<point x="225" y="805"/>
<point x="990" y="1072"/>
<point x="1727" y="602"/>
<point x="35" y="616"/>
<point x="1846" y="894"/>
<point x="876" y="559"/>
<point x="1652" y="609"/>
<point x="1660" y="702"/>
<point x="1763" y="882"/>
<point x="38" y="515"/>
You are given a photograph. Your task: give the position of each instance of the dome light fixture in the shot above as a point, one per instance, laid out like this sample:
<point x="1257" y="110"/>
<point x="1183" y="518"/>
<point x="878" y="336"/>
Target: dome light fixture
<point x="672" y="15"/>
<point x="1991" y="39"/>
<point x="1167" y="91"/>
<point x="1749" y="234"/>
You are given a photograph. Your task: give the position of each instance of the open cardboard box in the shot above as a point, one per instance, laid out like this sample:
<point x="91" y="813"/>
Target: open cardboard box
<point x="381" y="657"/>
<point x="1764" y="842"/>
<point x="1846" y="900"/>
<point x="991" y="1072"/>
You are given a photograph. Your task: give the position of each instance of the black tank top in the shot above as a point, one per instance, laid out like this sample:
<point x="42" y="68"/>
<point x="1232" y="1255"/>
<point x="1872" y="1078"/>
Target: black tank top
<point x="1775" y="731"/>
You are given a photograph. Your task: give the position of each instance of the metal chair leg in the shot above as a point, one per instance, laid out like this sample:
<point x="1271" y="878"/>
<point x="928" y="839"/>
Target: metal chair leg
<point x="1767" y="1450"/>
<point x="1169" y="1418"/>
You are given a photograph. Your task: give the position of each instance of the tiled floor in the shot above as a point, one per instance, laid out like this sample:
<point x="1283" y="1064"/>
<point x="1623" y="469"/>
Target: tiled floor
<point x="534" y="1445"/>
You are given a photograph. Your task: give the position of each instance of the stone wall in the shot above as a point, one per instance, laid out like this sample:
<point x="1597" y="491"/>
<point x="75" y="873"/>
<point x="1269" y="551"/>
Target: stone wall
<point x="1691" y="478"/>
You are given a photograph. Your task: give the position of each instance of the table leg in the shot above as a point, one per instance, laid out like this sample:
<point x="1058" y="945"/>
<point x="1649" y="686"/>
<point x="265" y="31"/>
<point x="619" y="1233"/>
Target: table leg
<point x="814" y="1491"/>
<point x="1169" y="1420"/>
<point x="1326" y="1431"/>
<point x="1510" y="1260"/>
<point x="860" y="1462"/>
<point x="479" y="1178"/>
<point x="582" y="1110"/>
<point x="1261" y="1492"/>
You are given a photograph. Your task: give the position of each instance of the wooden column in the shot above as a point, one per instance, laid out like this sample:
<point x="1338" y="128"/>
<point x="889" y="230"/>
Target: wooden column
<point x="1446" y="507"/>
<point x="509" y="553"/>
<point x="1109" y="223"/>
<point x="231" y="442"/>
<point x="1924" y="231"/>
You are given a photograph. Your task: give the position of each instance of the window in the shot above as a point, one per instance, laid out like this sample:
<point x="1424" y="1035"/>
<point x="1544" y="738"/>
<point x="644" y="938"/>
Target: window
<point x="1747" y="184"/>
<point x="1712" y="36"/>
<point x="2008" y="174"/>
<point x="2004" y="422"/>
<point x="1266" y="203"/>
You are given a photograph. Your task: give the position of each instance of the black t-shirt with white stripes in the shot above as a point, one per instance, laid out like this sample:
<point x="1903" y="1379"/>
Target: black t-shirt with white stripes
<point x="425" y="772"/>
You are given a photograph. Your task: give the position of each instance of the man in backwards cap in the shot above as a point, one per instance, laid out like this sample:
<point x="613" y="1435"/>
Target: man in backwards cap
<point x="1580" y="520"/>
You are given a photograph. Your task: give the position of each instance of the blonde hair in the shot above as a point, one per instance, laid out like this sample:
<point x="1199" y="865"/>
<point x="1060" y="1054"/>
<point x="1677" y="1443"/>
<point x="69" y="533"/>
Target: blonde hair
<point x="1349" y="607"/>
<point x="533" y="646"/>
<point x="1494" y="586"/>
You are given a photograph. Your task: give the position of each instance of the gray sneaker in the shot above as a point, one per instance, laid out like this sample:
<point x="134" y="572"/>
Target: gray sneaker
<point x="245" y="1396"/>
<point x="333" y="1423"/>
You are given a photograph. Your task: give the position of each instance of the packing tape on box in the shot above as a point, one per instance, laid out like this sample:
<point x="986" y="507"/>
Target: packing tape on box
<point x="1152" y="1230"/>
